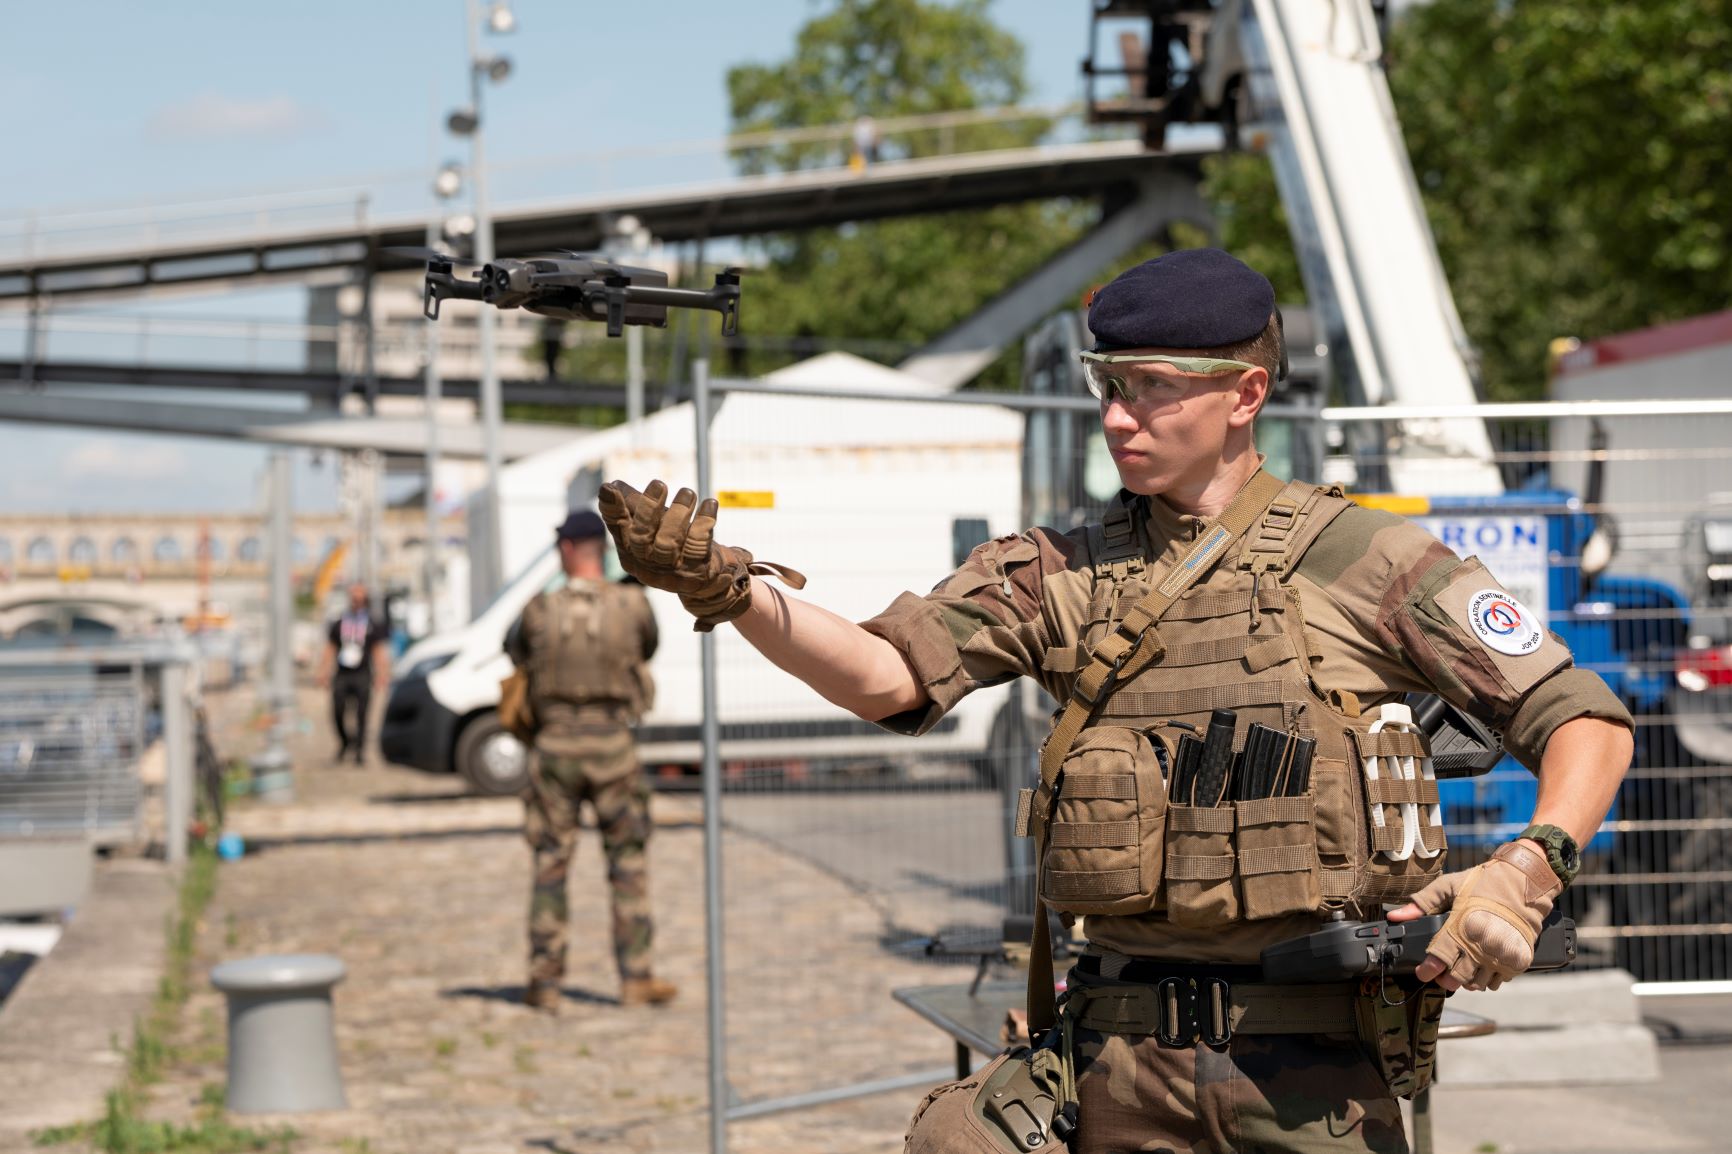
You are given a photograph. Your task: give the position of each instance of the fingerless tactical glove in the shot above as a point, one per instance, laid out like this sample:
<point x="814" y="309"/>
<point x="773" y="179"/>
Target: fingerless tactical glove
<point x="1495" y="913"/>
<point x="671" y="547"/>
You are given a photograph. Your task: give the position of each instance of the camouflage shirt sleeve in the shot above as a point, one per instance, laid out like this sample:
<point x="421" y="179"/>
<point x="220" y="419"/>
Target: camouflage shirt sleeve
<point x="1394" y="608"/>
<point x="980" y="626"/>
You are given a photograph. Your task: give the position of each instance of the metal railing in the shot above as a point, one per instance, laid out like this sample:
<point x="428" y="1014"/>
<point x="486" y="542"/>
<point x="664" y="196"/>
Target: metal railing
<point x="75" y="722"/>
<point x="101" y="229"/>
<point x="1655" y="895"/>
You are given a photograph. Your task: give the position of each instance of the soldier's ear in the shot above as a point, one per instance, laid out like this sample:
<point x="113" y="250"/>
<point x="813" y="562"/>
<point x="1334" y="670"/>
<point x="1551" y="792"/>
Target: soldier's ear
<point x="1251" y="394"/>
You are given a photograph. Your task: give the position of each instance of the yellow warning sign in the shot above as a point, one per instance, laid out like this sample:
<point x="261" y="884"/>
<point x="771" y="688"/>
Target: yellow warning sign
<point x="1394" y="503"/>
<point x="746" y="499"/>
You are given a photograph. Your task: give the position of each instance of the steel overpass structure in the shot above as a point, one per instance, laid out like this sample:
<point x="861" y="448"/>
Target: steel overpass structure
<point x="1141" y="193"/>
<point x="747" y="206"/>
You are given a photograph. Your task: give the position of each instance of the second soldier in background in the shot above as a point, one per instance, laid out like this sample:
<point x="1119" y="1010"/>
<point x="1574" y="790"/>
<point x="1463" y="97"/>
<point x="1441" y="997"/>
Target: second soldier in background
<point x="585" y="647"/>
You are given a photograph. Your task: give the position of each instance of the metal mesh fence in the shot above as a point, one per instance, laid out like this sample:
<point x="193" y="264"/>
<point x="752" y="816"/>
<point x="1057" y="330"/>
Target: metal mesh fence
<point x="71" y="734"/>
<point x="1618" y="531"/>
<point x="857" y="863"/>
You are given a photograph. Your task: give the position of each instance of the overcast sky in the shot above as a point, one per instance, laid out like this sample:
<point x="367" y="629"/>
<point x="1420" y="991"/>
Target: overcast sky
<point x="107" y="103"/>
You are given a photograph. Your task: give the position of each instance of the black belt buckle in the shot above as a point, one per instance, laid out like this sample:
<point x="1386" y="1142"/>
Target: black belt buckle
<point x="1215" y="1012"/>
<point x="1177" y="999"/>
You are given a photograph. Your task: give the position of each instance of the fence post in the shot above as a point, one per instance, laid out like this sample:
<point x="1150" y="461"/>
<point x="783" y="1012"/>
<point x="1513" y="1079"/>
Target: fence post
<point x="177" y="747"/>
<point x="271" y="769"/>
<point x="1018" y="867"/>
<point x="715" y="980"/>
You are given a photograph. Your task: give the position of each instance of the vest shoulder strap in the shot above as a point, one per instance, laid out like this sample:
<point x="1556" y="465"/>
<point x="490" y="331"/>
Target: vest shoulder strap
<point x="1288" y="527"/>
<point x="1114" y="550"/>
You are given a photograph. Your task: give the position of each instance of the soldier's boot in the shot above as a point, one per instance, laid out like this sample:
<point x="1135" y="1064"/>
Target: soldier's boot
<point x="543" y="996"/>
<point x="646" y="992"/>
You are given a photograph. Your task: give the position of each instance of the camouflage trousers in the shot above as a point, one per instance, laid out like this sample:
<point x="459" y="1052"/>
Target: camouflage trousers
<point x="559" y="785"/>
<point x="1259" y="1094"/>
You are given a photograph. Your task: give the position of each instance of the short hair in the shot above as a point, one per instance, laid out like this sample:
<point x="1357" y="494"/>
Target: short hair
<point x="1262" y="350"/>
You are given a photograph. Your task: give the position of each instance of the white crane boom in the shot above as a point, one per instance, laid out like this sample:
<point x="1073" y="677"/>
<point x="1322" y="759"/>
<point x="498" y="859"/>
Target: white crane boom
<point x="1313" y="92"/>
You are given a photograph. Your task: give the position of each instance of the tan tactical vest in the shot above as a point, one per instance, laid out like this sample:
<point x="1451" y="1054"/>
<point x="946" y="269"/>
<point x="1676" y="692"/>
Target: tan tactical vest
<point x="585" y="646"/>
<point x="1113" y="845"/>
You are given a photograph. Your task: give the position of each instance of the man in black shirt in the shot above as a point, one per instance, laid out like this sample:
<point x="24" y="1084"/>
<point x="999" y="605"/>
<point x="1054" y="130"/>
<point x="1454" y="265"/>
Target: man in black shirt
<point x="355" y="661"/>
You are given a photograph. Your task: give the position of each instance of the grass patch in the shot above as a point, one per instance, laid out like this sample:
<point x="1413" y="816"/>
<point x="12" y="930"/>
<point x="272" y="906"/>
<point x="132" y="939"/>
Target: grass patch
<point x="122" y="1129"/>
<point x="523" y="1058"/>
<point x="445" y="1047"/>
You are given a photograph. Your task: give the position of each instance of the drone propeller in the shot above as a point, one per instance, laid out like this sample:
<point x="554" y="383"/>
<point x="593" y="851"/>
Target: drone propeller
<point x="422" y="252"/>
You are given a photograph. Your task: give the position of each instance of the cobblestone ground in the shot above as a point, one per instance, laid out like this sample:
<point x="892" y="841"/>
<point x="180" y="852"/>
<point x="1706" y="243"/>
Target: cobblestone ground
<point x="422" y="893"/>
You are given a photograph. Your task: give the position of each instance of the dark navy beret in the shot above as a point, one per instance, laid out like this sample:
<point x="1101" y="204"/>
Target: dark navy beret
<point x="581" y="526"/>
<point x="1196" y="298"/>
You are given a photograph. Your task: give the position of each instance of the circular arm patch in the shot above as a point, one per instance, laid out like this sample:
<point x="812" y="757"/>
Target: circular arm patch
<point x="1504" y="624"/>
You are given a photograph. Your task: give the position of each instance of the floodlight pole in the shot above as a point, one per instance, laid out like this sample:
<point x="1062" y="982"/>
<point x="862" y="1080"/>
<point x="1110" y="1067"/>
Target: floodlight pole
<point x="435" y="391"/>
<point x="490" y="577"/>
<point x="272" y="779"/>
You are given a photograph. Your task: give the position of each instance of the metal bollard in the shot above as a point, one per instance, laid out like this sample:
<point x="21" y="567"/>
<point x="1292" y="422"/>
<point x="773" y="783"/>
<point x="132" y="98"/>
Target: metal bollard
<point x="282" y="1044"/>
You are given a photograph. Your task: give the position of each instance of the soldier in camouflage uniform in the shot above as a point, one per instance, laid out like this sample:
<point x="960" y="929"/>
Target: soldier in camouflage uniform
<point x="585" y="646"/>
<point x="1286" y="603"/>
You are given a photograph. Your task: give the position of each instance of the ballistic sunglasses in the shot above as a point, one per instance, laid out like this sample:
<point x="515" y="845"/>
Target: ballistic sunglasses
<point x="1124" y="374"/>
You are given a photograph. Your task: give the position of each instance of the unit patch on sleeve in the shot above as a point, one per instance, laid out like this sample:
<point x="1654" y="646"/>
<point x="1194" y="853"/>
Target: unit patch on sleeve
<point x="1503" y="623"/>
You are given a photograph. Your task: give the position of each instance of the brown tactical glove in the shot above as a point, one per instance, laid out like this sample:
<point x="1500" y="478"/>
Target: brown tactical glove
<point x="668" y="547"/>
<point x="1495" y="912"/>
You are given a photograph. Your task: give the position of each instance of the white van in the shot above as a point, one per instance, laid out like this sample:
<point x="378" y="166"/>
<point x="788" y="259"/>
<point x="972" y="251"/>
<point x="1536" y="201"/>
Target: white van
<point x="867" y="498"/>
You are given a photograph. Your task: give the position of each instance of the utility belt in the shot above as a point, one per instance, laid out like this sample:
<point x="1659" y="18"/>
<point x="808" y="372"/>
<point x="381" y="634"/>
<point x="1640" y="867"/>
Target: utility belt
<point x="1395" y="1019"/>
<point x="1182" y="1010"/>
<point x="1025" y="1101"/>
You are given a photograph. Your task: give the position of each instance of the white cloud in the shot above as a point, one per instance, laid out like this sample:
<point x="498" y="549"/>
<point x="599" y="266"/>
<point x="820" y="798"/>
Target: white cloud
<point x="103" y="459"/>
<point x="211" y="115"/>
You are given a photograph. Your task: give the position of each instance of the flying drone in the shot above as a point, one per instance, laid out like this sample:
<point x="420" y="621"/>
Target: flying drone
<point x="572" y="286"/>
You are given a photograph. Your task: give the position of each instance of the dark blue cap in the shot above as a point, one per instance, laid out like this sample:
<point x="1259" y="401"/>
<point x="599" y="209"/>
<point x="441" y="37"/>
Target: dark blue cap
<point x="583" y="525"/>
<point x="1196" y="298"/>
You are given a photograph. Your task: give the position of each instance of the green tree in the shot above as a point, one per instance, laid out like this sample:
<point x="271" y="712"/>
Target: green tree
<point x="906" y="280"/>
<point x="884" y="59"/>
<point x="1250" y="219"/>
<point x="1573" y="159"/>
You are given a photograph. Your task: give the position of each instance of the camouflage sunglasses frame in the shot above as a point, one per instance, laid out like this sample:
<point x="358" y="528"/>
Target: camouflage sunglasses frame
<point x="1102" y="381"/>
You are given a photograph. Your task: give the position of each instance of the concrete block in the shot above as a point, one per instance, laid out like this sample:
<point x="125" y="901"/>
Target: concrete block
<point x="1589" y="1054"/>
<point x="59" y="1027"/>
<point x="44" y="874"/>
<point x="1544" y="1001"/>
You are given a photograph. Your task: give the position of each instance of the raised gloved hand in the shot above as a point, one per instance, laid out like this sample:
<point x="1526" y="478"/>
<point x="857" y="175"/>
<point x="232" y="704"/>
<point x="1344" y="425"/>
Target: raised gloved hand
<point x="671" y="547"/>
<point x="1495" y="914"/>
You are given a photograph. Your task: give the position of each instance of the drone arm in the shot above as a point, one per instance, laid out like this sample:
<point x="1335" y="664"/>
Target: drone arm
<point x="442" y="285"/>
<point x="724" y="299"/>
